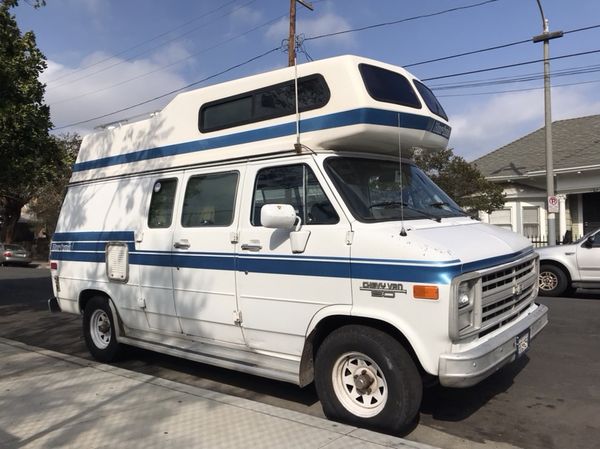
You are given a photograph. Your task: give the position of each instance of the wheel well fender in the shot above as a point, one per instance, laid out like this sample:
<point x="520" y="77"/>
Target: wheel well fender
<point x="86" y="295"/>
<point x="327" y="324"/>
<point x="559" y="265"/>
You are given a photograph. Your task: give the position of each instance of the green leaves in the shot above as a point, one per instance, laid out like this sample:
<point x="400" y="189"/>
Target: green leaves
<point x="461" y="180"/>
<point x="28" y="154"/>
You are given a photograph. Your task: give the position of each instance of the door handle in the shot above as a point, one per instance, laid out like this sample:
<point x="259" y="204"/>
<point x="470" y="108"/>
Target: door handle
<point x="251" y="247"/>
<point x="182" y="244"/>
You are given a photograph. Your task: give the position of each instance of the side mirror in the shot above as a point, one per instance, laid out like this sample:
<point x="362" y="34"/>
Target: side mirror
<point x="283" y="216"/>
<point x="278" y="216"/>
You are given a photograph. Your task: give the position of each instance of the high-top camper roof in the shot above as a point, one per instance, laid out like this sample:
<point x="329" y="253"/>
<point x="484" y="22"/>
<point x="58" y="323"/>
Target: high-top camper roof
<point x="345" y="102"/>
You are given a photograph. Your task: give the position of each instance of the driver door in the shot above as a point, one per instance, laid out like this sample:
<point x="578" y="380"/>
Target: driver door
<point x="588" y="258"/>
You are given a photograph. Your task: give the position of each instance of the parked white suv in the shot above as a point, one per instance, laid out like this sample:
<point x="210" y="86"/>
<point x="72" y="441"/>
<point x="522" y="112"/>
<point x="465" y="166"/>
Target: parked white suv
<point x="565" y="268"/>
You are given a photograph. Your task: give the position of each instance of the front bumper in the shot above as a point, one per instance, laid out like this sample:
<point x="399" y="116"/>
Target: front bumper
<point x="467" y="368"/>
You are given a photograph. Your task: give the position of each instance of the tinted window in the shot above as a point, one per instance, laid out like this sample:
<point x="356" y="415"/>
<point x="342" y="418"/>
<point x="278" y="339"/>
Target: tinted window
<point x="263" y="104"/>
<point x="432" y="103"/>
<point x="295" y="185"/>
<point x="234" y="111"/>
<point x="161" y="205"/>
<point x="209" y="200"/>
<point x="388" y="86"/>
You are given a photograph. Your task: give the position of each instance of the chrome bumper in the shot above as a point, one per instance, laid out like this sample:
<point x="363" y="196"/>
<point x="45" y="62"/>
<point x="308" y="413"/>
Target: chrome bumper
<point x="467" y="368"/>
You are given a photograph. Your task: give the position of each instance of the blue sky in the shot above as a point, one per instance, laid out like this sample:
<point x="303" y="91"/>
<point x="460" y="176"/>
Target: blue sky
<point x="104" y="55"/>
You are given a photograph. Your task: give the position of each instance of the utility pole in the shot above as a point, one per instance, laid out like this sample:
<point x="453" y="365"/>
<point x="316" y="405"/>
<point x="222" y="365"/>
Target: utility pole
<point x="551" y="200"/>
<point x="292" y="36"/>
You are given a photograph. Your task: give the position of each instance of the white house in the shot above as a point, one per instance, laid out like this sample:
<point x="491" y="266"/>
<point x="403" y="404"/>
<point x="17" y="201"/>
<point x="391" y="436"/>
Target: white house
<point x="520" y="167"/>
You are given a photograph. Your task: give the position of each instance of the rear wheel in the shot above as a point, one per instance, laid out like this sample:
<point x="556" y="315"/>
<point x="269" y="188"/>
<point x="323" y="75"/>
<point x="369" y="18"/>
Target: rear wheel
<point x="99" y="330"/>
<point x="552" y="280"/>
<point x="364" y="377"/>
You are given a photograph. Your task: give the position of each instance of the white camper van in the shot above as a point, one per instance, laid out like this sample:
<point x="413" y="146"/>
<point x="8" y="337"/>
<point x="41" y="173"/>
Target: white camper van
<point x="232" y="230"/>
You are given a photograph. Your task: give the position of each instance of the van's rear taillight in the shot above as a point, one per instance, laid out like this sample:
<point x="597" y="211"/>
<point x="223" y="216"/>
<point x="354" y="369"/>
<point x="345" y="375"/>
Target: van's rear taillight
<point x="53" y="266"/>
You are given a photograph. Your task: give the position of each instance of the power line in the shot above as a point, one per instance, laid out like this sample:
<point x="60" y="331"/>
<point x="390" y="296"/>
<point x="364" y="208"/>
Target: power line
<point x="161" y="68"/>
<point x="496" y="47"/>
<point x="458" y="55"/>
<point x="516" y="90"/>
<point x="229" y="69"/>
<point x="517" y="79"/>
<point x="507" y="66"/>
<point x="81" y="69"/>
<point x="145" y="51"/>
<point x="395" y="22"/>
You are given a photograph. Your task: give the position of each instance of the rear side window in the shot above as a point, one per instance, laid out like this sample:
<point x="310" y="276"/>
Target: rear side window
<point x="264" y="104"/>
<point x="390" y="87"/>
<point x="209" y="200"/>
<point x="430" y="100"/>
<point x="161" y="205"/>
<point x="296" y="185"/>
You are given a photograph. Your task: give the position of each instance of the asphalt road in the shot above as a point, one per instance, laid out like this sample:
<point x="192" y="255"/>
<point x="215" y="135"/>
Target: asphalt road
<point x="548" y="399"/>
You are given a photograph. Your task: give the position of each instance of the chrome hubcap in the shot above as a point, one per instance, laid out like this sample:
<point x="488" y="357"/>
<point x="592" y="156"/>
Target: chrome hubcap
<point x="547" y="281"/>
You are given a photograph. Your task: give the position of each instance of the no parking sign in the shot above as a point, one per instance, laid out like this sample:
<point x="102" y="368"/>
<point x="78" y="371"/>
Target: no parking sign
<point x="553" y="204"/>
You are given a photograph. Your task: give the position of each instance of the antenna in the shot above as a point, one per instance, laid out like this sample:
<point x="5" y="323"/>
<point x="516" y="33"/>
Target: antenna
<point x="297" y="145"/>
<point x="402" y="230"/>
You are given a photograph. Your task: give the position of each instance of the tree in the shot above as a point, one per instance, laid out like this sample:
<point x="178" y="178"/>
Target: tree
<point x="28" y="154"/>
<point x="46" y="204"/>
<point x="461" y="180"/>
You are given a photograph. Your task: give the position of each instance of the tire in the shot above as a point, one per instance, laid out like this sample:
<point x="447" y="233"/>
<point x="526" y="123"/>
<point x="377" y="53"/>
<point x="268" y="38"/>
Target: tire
<point x="364" y="377"/>
<point x="553" y="281"/>
<point x="99" y="330"/>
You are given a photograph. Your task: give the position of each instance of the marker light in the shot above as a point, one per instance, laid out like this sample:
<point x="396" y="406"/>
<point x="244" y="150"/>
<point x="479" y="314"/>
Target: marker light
<point x="426" y="292"/>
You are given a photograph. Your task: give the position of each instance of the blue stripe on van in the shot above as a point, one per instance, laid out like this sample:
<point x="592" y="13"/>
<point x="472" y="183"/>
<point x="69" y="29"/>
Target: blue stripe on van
<point x="93" y="236"/>
<point x="353" y="117"/>
<point x="433" y="272"/>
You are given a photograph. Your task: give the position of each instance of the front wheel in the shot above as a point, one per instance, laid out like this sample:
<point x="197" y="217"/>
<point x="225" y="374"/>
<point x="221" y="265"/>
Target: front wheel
<point x="364" y="377"/>
<point x="552" y="281"/>
<point x="99" y="330"/>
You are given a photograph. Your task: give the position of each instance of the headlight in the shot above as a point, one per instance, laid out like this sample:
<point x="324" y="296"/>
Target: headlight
<point x="465" y="293"/>
<point x="465" y="315"/>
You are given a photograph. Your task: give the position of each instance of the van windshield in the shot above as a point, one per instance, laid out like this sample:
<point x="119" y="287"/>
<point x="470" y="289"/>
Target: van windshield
<point x="375" y="190"/>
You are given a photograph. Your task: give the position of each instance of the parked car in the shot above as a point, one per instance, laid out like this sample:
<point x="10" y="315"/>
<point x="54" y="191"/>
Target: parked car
<point x="14" y="254"/>
<point x="565" y="268"/>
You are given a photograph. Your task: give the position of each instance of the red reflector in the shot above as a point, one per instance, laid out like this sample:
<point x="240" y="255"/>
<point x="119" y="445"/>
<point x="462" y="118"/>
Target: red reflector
<point x="53" y="266"/>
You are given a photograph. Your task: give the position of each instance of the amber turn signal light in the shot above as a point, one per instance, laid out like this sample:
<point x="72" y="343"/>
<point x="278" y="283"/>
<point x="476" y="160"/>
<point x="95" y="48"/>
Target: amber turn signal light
<point x="426" y="292"/>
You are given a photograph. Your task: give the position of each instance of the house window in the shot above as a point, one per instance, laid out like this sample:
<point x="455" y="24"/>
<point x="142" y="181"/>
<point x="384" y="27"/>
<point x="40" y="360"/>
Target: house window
<point x="502" y="218"/>
<point x="531" y="221"/>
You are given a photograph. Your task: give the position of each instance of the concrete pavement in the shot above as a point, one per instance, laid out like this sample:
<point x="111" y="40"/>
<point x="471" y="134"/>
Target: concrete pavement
<point x="49" y="399"/>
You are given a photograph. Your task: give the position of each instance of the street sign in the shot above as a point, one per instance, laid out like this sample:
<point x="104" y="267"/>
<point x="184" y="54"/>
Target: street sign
<point x="553" y="204"/>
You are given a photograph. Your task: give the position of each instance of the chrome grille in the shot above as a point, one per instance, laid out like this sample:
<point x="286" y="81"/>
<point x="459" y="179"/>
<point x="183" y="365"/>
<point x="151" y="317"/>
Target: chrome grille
<point x="506" y="292"/>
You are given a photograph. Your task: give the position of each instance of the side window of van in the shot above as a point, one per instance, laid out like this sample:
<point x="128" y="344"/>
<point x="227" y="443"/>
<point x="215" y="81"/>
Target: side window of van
<point x="161" y="205"/>
<point x="296" y="185"/>
<point x="209" y="200"/>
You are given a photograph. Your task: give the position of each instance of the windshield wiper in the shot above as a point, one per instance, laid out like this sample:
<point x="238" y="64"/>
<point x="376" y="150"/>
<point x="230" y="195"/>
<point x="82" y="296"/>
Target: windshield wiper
<point x="440" y="204"/>
<point x="387" y="204"/>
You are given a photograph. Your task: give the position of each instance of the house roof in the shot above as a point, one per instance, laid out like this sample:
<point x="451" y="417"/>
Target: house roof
<point x="575" y="142"/>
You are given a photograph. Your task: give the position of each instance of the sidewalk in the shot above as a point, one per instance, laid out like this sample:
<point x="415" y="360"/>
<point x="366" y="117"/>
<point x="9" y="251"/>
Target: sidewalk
<point x="48" y="399"/>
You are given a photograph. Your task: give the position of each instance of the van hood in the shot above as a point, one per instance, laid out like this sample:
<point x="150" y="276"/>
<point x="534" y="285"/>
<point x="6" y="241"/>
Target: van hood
<point x="464" y="243"/>
<point x="471" y="242"/>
